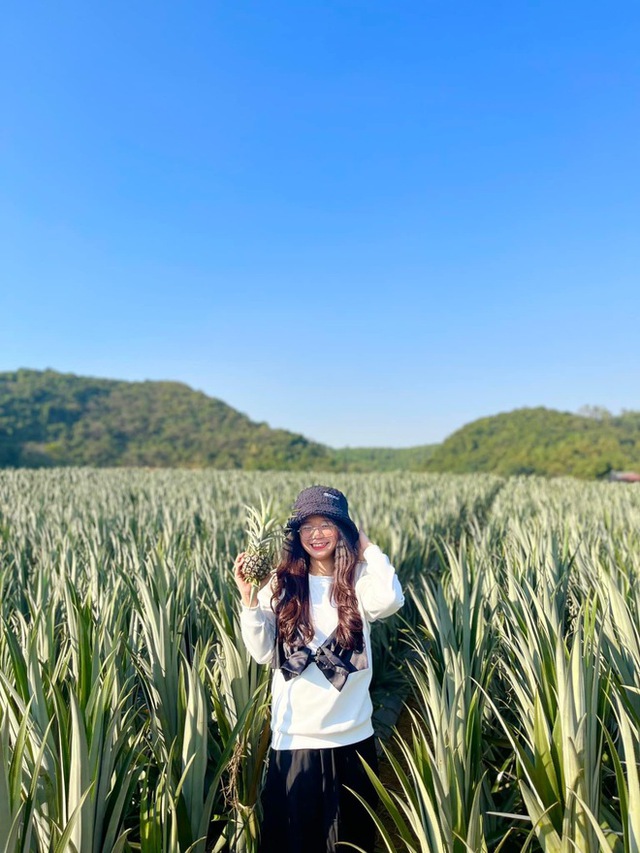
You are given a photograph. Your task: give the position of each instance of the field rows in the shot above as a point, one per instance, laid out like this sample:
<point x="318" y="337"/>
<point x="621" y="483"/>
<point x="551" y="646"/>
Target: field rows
<point x="131" y="717"/>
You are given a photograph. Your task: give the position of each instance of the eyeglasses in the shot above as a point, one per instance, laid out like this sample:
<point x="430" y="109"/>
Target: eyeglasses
<point x="326" y="528"/>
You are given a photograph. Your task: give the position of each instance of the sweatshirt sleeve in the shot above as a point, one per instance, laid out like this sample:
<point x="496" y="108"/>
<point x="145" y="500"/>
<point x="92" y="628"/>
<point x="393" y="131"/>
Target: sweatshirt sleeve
<point x="258" y="627"/>
<point x="378" y="588"/>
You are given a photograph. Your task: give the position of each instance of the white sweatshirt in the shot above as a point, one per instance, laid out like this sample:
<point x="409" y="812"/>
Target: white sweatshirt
<point x="308" y="712"/>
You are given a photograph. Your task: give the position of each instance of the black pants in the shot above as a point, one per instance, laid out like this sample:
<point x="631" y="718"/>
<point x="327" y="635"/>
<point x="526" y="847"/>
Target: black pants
<point x="306" y="805"/>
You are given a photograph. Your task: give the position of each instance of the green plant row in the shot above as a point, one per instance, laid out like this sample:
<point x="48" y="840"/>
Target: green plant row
<point x="132" y="718"/>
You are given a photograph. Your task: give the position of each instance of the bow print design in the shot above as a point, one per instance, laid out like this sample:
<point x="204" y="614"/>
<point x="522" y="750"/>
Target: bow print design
<point x="334" y="662"/>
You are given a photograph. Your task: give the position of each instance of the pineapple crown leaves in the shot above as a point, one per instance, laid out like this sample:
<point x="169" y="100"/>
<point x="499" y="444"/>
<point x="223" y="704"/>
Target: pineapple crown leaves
<point x="262" y="528"/>
<point x="264" y="524"/>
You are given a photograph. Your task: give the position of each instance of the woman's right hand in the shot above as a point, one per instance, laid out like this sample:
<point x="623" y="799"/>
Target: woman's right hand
<point x="248" y="591"/>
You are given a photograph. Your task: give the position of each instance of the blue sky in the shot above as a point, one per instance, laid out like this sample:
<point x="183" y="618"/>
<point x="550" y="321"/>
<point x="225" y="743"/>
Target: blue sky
<point x="369" y="222"/>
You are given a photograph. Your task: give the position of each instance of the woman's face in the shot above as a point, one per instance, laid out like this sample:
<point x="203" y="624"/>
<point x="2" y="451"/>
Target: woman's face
<point x="319" y="536"/>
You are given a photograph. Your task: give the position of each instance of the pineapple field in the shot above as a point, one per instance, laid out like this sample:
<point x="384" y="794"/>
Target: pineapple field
<point x="506" y="691"/>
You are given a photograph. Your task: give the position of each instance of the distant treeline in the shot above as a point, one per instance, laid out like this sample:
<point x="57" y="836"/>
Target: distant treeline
<point x="543" y="441"/>
<point x="53" y="419"/>
<point x="49" y="418"/>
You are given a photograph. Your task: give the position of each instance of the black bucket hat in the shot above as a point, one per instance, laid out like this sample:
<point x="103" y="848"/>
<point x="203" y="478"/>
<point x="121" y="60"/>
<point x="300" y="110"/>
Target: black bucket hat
<point x="323" y="500"/>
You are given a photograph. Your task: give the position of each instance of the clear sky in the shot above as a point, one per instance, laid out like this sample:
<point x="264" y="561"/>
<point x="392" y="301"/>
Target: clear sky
<point x="369" y="222"/>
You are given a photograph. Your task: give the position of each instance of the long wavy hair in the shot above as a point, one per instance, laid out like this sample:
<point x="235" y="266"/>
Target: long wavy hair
<point x="290" y="599"/>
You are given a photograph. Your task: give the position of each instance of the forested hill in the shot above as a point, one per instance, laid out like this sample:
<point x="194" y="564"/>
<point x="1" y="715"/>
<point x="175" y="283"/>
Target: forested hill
<point x="543" y="441"/>
<point x="49" y="418"/>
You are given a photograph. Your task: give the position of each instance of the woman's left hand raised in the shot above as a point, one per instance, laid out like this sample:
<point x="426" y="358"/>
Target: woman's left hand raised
<point x="363" y="542"/>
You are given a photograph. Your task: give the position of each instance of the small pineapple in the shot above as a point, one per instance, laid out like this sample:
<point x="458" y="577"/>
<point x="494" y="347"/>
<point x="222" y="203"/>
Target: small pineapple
<point x="262" y="532"/>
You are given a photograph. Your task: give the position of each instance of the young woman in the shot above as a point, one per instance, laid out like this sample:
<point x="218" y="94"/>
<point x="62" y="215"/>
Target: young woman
<point x="311" y="622"/>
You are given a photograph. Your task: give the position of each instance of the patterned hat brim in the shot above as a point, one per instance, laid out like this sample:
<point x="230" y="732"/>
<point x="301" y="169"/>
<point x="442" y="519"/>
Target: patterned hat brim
<point x="296" y="521"/>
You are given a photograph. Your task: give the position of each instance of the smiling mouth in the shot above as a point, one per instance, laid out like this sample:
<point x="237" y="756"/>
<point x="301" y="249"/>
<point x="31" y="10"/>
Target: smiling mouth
<point x="319" y="546"/>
